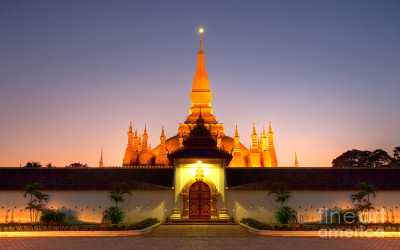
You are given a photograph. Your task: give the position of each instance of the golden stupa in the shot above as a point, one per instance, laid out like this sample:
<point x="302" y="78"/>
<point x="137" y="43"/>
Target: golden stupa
<point x="261" y="153"/>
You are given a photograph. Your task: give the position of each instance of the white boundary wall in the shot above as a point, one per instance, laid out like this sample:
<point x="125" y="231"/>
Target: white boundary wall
<point x="258" y="205"/>
<point x="88" y="206"/>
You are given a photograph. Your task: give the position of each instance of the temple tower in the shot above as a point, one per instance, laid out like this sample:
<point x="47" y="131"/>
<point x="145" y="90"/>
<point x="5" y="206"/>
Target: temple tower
<point x="144" y="140"/>
<point x="254" y="155"/>
<point x="145" y="156"/>
<point x="265" y="156"/>
<point x="161" y="157"/>
<point x="271" y="147"/>
<point x="135" y="141"/>
<point x="237" y="157"/>
<point x="128" y="161"/>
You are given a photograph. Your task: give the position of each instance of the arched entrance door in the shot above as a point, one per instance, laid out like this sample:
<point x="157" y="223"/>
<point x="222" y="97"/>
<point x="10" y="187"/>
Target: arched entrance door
<point x="199" y="201"/>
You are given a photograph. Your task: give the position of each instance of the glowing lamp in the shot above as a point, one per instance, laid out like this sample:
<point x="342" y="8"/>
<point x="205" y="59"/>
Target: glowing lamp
<point x="201" y="30"/>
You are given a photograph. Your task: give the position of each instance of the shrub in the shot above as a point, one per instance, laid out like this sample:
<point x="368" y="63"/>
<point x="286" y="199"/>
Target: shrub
<point x="113" y="215"/>
<point x="51" y="216"/>
<point x="285" y="215"/>
<point x="352" y="217"/>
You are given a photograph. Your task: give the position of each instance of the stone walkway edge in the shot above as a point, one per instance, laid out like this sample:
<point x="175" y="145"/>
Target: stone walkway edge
<point x="77" y="233"/>
<point x="323" y="233"/>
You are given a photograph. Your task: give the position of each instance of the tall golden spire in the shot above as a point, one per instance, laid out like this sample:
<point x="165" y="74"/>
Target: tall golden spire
<point x="296" y="163"/>
<point x="200" y="97"/>
<point x="200" y="80"/>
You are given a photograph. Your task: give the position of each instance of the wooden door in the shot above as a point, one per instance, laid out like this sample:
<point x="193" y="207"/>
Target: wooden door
<point x="199" y="201"/>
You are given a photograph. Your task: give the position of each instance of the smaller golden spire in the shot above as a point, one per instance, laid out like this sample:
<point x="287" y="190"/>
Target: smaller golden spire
<point x="254" y="129"/>
<point x="236" y="132"/>
<point x="162" y="132"/>
<point x="130" y="127"/>
<point x="101" y="159"/>
<point x="136" y="133"/>
<point x="270" y="128"/>
<point x="296" y="163"/>
<point x="145" y="130"/>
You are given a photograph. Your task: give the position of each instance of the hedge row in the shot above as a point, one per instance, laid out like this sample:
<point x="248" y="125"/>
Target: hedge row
<point x="68" y="227"/>
<point x="316" y="227"/>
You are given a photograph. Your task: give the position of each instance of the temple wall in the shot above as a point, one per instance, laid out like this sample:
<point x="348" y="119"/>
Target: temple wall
<point x="88" y="206"/>
<point x="258" y="205"/>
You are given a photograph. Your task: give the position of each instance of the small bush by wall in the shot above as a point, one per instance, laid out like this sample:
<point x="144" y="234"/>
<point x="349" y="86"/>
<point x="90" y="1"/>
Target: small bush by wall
<point x="51" y="216"/>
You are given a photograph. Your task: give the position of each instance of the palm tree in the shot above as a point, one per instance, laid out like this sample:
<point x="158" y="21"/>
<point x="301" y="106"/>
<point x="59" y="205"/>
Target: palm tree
<point x="359" y="197"/>
<point x="41" y="198"/>
<point x="281" y="192"/>
<point x="32" y="206"/>
<point x="369" y="189"/>
<point x="31" y="189"/>
<point x="119" y="189"/>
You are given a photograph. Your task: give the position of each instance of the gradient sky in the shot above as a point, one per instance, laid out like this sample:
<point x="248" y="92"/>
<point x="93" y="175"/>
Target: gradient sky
<point x="73" y="74"/>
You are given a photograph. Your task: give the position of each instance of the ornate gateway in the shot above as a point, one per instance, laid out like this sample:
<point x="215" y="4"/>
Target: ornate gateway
<point x="200" y="201"/>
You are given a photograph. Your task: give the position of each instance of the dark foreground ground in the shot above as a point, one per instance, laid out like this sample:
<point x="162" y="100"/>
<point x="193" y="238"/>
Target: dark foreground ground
<point x="198" y="237"/>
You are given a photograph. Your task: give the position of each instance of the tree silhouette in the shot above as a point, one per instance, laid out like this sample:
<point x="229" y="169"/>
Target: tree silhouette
<point x="77" y="165"/>
<point x="33" y="164"/>
<point x="363" y="159"/>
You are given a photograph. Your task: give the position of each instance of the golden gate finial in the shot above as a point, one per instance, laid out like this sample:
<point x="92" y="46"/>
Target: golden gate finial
<point x="201" y="30"/>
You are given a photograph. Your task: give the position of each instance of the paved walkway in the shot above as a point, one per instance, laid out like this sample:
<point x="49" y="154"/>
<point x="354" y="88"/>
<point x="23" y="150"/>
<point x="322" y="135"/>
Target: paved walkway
<point x="198" y="237"/>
